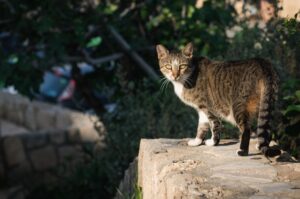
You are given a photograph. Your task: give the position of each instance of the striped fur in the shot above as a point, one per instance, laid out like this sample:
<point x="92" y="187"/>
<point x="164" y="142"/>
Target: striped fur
<point x="236" y="91"/>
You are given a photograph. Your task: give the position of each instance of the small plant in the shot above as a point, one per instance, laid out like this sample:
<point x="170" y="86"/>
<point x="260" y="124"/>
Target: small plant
<point x="289" y="125"/>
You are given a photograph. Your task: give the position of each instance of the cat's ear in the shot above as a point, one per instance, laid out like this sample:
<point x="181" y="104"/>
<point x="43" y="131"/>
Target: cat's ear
<point x="187" y="51"/>
<point x="162" y="52"/>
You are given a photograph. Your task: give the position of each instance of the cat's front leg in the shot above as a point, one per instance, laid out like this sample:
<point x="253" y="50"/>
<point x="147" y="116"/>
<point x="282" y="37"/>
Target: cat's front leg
<point x="215" y="127"/>
<point x="203" y="128"/>
<point x="201" y="132"/>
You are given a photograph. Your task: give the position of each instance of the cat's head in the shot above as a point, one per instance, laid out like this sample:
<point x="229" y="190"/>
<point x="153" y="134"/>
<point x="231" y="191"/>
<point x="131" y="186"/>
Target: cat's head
<point x="175" y="66"/>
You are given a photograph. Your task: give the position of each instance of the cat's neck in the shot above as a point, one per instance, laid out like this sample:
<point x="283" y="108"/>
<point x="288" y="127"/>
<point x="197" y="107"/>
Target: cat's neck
<point x="192" y="79"/>
<point x="190" y="82"/>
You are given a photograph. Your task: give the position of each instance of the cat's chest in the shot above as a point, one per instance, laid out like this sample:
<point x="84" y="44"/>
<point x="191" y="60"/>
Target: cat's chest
<point x="178" y="88"/>
<point x="180" y="92"/>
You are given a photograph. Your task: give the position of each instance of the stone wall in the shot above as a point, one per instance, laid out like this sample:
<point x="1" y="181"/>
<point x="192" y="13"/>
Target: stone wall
<point x="36" y="138"/>
<point x="127" y="187"/>
<point x="39" y="116"/>
<point x="168" y="169"/>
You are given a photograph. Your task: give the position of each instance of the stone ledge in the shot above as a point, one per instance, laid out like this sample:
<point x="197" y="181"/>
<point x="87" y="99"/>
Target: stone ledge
<point x="168" y="168"/>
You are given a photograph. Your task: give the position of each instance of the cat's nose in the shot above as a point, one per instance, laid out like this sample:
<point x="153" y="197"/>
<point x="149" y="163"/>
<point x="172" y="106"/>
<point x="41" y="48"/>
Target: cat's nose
<point x="175" y="75"/>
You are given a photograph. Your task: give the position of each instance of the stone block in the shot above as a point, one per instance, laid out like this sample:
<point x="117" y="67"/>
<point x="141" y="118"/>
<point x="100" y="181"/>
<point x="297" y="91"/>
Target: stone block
<point x="45" y="119"/>
<point x="89" y="134"/>
<point x="170" y="169"/>
<point x="36" y="115"/>
<point x="16" y="107"/>
<point x="44" y="158"/>
<point x="70" y="154"/>
<point x="30" y="118"/>
<point x="15" y="174"/>
<point x="73" y="135"/>
<point x="8" y="128"/>
<point x="63" y="120"/>
<point x="58" y="137"/>
<point x="14" y="151"/>
<point x="36" y="140"/>
<point x="41" y="105"/>
<point x="91" y="129"/>
<point x="3" y="103"/>
<point x="127" y="186"/>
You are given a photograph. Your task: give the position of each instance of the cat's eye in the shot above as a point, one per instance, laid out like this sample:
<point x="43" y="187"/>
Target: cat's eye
<point x="168" y="66"/>
<point x="183" y="66"/>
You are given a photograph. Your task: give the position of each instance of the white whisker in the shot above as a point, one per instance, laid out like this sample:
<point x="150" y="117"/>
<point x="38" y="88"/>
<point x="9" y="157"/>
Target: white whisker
<point x="164" y="85"/>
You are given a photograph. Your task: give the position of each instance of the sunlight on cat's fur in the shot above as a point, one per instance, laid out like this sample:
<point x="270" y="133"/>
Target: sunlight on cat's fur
<point x="235" y="91"/>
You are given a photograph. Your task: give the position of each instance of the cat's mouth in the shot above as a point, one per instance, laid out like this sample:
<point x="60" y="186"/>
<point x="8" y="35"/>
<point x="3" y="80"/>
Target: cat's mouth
<point x="179" y="78"/>
<point x="176" y="78"/>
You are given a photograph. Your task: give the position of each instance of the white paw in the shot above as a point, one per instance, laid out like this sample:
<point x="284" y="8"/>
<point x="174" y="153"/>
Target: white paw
<point x="195" y="142"/>
<point x="257" y="147"/>
<point x="210" y="142"/>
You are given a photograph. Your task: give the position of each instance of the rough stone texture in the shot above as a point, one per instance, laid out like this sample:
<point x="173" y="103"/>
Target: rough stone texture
<point x="44" y="158"/>
<point x="63" y="119"/>
<point x="74" y="135"/>
<point x="171" y="169"/>
<point x="14" y="151"/>
<point x="17" y="173"/>
<point x="30" y="118"/>
<point x="36" y="140"/>
<point x="86" y="126"/>
<point x="10" y="129"/>
<point x="58" y="137"/>
<point x="16" y="109"/>
<point x="13" y="107"/>
<point x="4" y="98"/>
<point x="127" y="186"/>
<point x="45" y="119"/>
<point x="70" y="154"/>
<point x="36" y="136"/>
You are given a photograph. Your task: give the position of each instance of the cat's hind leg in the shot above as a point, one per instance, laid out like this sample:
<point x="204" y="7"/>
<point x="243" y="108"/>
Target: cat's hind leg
<point x="245" y="140"/>
<point x="242" y="121"/>
<point x="215" y="127"/>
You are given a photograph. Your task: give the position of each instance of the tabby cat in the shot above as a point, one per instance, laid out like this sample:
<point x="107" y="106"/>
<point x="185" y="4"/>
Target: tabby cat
<point x="236" y="91"/>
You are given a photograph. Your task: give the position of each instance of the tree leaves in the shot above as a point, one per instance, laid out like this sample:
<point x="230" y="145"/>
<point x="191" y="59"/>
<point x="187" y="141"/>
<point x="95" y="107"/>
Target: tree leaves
<point x="292" y="110"/>
<point x="95" y="41"/>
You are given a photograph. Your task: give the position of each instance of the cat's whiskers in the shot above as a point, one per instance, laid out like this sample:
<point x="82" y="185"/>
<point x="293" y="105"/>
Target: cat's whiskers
<point x="164" y="84"/>
<point x="187" y="79"/>
<point x="162" y="79"/>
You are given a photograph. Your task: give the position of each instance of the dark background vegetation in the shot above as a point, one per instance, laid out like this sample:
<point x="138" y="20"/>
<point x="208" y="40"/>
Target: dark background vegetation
<point x="42" y="34"/>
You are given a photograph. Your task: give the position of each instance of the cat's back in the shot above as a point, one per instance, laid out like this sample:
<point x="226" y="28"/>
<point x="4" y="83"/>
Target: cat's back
<point x="239" y="70"/>
<point x="226" y="82"/>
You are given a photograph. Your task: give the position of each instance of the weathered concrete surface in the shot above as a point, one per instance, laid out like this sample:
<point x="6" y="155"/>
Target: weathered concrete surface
<point x="168" y="168"/>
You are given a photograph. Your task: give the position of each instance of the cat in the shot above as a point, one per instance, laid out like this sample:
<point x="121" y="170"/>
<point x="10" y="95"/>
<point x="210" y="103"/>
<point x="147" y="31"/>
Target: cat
<point x="235" y="91"/>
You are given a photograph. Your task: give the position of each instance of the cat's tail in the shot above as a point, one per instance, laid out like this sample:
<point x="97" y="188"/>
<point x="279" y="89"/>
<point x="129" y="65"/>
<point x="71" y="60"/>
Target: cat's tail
<point x="269" y="89"/>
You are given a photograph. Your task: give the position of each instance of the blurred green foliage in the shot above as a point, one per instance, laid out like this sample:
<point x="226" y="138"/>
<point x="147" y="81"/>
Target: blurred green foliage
<point x="47" y="33"/>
